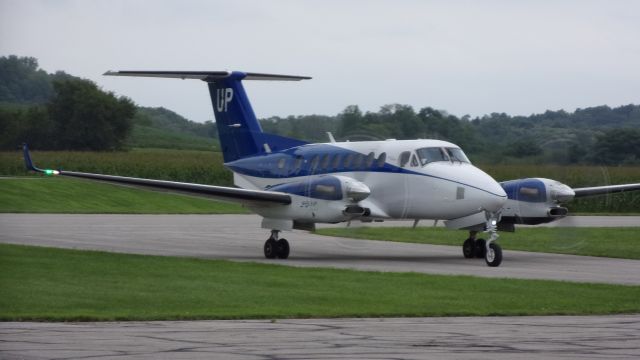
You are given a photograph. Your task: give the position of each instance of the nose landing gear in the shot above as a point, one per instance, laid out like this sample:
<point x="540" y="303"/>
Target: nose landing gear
<point x="480" y="248"/>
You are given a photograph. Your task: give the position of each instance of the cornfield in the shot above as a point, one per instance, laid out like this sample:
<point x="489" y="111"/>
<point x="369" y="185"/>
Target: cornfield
<point x="206" y="168"/>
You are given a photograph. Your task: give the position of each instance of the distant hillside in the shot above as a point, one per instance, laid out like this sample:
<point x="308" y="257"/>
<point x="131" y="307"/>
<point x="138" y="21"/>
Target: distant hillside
<point x="162" y="128"/>
<point x="594" y="135"/>
<point x="24" y="85"/>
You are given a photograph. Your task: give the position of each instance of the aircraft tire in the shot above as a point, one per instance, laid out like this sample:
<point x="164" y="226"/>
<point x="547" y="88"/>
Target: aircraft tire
<point x="481" y="248"/>
<point x="282" y="249"/>
<point x="494" y="256"/>
<point x="468" y="248"/>
<point x="270" y="249"/>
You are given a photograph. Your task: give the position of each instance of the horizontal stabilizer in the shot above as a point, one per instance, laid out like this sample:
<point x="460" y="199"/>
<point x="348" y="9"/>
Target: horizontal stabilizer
<point x="208" y="76"/>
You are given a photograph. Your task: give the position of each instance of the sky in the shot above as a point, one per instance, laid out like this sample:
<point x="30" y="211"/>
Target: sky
<point x="465" y="57"/>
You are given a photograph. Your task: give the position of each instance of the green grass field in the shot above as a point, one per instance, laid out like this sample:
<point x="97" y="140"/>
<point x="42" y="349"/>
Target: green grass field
<point x="68" y="285"/>
<point x="605" y="242"/>
<point x="40" y="194"/>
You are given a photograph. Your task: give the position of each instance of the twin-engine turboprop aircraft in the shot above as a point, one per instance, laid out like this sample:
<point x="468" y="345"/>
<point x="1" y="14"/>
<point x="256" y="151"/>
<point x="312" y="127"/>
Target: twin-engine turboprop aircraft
<point x="294" y="185"/>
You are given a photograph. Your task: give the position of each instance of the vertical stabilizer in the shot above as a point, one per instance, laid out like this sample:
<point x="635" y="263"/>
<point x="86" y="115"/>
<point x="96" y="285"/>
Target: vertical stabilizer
<point x="239" y="131"/>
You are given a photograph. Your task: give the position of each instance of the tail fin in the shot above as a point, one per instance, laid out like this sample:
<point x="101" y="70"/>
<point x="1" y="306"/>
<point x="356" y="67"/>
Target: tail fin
<point x="238" y="129"/>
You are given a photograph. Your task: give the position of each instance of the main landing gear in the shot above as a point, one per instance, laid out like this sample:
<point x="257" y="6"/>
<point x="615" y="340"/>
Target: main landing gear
<point x="276" y="248"/>
<point x="480" y="248"/>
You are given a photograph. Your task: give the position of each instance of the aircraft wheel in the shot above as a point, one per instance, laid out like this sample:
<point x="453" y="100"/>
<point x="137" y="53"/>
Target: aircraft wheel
<point x="481" y="248"/>
<point x="282" y="248"/>
<point x="493" y="257"/>
<point x="270" y="249"/>
<point x="468" y="248"/>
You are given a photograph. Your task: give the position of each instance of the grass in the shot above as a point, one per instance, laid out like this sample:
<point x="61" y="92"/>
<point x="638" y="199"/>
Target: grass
<point x="68" y="285"/>
<point x="39" y="194"/>
<point x="605" y="242"/>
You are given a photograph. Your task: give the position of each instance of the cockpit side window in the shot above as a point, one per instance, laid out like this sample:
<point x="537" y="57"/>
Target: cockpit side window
<point x="404" y="158"/>
<point x="414" y="160"/>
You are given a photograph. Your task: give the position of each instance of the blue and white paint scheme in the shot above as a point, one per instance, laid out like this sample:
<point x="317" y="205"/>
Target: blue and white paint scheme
<point x="294" y="185"/>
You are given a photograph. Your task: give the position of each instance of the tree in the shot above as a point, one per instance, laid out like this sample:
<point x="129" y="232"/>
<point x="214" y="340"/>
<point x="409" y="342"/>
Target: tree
<point x="22" y="82"/>
<point x="617" y="146"/>
<point x="523" y="148"/>
<point x="87" y="118"/>
<point x="350" y="121"/>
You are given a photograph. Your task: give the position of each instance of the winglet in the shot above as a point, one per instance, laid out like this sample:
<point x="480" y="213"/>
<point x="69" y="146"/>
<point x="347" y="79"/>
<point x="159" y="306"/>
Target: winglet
<point x="28" y="163"/>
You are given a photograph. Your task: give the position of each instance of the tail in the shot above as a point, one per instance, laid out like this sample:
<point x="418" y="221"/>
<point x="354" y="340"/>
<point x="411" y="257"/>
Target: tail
<point x="239" y="131"/>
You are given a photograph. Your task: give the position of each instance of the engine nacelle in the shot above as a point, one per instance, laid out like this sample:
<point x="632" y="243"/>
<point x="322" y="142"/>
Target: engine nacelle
<point x="535" y="201"/>
<point x="322" y="199"/>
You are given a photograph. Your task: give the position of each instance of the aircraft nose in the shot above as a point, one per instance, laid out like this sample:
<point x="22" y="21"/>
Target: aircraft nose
<point x="494" y="197"/>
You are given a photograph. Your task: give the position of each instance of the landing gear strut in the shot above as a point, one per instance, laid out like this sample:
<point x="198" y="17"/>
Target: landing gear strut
<point x="480" y="248"/>
<point x="276" y="248"/>
<point x="493" y="254"/>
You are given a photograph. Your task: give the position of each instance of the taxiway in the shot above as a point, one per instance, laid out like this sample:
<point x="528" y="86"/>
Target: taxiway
<point x="240" y="238"/>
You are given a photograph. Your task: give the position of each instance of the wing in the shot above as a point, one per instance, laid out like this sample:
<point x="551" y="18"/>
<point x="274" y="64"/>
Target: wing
<point x="230" y="194"/>
<point x="609" y="189"/>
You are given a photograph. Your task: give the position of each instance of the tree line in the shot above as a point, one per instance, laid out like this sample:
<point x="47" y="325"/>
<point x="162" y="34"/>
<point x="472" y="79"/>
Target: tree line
<point x="598" y="135"/>
<point x="59" y="111"/>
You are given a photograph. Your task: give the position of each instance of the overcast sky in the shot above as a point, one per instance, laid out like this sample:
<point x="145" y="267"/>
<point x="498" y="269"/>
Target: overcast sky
<point x="466" y="57"/>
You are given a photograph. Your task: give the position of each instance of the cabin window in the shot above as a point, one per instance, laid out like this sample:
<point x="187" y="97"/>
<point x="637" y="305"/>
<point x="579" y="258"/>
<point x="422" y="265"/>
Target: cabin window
<point x="369" y="159"/>
<point x="357" y="161"/>
<point x="325" y="161"/>
<point x="281" y="163"/>
<point x="314" y="162"/>
<point x="382" y="158"/>
<point x="348" y="160"/>
<point x="297" y="164"/>
<point x="404" y="158"/>
<point x="336" y="161"/>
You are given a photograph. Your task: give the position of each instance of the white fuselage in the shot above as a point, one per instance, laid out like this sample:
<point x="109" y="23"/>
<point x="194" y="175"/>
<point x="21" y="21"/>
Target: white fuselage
<point x="402" y="184"/>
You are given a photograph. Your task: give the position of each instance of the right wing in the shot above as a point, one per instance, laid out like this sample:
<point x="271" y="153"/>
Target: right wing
<point x="601" y="190"/>
<point x="230" y="194"/>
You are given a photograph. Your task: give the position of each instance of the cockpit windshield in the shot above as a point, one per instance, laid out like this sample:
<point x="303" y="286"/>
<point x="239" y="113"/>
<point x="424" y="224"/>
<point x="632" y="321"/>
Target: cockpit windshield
<point x="433" y="154"/>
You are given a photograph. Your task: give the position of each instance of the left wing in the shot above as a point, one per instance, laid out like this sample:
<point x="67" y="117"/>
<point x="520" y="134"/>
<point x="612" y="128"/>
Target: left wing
<point x="601" y="190"/>
<point x="230" y="194"/>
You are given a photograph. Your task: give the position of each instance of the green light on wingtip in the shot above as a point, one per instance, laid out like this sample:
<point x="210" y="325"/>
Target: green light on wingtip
<point x="51" y="172"/>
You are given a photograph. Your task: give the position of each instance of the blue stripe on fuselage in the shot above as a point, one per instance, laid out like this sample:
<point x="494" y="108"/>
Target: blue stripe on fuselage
<point x="267" y="165"/>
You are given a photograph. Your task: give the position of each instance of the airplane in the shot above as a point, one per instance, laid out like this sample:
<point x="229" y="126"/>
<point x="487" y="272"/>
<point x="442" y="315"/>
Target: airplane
<point x="293" y="184"/>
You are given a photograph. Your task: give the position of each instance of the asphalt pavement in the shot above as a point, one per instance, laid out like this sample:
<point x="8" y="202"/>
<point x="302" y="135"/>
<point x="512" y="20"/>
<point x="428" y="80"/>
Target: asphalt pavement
<point x="240" y="238"/>
<point x="550" y="337"/>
